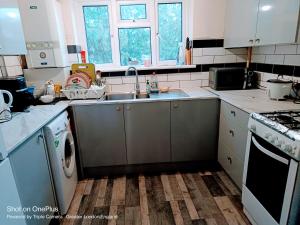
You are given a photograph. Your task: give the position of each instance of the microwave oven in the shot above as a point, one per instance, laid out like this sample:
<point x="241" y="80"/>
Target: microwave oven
<point x="232" y="78"/>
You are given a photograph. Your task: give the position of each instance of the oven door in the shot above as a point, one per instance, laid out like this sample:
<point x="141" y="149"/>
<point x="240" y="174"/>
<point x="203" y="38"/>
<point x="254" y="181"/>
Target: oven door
<point x="269" y="179"/>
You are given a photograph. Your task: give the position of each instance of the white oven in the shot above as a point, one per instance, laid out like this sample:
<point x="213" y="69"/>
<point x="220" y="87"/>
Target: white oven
<point x="271" y="180"/>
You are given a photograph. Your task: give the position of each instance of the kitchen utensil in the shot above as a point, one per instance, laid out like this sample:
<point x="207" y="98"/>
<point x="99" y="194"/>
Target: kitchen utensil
<point x="279" y="89"/>
<point x="49" y="88"/>
<point x="86" y="68"/>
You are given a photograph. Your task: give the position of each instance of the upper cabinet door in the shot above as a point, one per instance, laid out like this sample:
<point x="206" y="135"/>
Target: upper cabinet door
<point x="240" y="23"/>
<point x="277" y="22"/>
<point x="11" y="32"/>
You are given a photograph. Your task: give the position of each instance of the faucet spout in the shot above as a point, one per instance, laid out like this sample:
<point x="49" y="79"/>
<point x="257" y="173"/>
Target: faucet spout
<point x="137" y="84"/>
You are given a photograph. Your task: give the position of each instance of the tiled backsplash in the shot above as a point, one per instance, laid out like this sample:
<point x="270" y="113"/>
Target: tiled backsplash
<point x="176" y="80"/>
<point x="277" y="59"/>
<point x="12" y="65"/>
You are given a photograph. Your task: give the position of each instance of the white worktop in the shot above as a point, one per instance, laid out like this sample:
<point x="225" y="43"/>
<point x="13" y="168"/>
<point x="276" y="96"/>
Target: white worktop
<point x="255" y="100"/>
<point x="25" y="124"/>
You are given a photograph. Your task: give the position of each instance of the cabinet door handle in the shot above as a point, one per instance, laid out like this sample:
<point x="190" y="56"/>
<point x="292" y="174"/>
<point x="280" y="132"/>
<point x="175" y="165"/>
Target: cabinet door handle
<point x="257" y="40"/>
<point x="232" y="112"/>
<point x="175" y="106"/>
<point x="251" y="41"/>
<point x="232" y="133"/>
<point x="118" y="108"/>
<point x="40" y="138"/>
<point x="229" y="159"/>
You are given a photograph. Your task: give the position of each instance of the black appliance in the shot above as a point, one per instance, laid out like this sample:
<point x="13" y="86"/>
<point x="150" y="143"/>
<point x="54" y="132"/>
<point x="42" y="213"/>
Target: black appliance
<point x="22" y="98"/>
<point x="232" y="78"/>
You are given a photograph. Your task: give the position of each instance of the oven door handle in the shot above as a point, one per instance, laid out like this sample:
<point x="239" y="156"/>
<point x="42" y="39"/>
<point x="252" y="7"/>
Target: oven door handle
<point x="267" y="152"/>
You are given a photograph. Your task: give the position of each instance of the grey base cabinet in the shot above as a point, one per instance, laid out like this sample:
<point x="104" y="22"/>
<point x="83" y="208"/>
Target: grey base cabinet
<point x="147" y="127"/>
<point x="100" y="134"/>
<point x="233" y="134"/>
<point x="194" y="129"/>
<point x="32" y="174"/>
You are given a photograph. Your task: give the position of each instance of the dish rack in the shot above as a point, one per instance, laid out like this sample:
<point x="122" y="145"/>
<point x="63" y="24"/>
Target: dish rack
<point x="82" y="93"/>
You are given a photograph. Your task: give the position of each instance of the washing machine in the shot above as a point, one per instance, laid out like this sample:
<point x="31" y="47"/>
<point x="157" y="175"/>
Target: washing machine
<point x="61" y="150"/>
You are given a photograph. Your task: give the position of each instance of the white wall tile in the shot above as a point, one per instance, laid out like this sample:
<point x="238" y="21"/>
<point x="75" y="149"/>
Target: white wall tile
<point x="122" y="88"/>
<point x="179" y="76"/>
<point x="259" y="58"/>
<point x="11" y="71"/>
<point x="171" y="84"/>
<point x="205" y="83"/>
<point x="274" y="59"/>
<point x="213" y="51"/>
<point x="292" y="60"/>
<point x="203" y="60"/>
<point x="132" y="79"/>
<point x="286" y="49"/>
<point x="160" y="77"/>
<point x="199" y="76"/>
<point x="18" y="70"/>
<point x="236" y="51"/>
<point x="190" y="83"/>
<point x="264" y="50"/>
<point x="197" y="51"/>
<point x="11" y="60"/>
<point x="241" y="58"/>
<point x="225" y="59"/>
<point x="113" y="80"/>
<point x="298" y="50"/>
<point x="268" y="76"/>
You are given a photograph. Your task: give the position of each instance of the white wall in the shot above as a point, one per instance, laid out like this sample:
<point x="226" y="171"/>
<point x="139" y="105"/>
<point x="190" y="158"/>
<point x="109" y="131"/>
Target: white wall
<point x="208" y="18"/>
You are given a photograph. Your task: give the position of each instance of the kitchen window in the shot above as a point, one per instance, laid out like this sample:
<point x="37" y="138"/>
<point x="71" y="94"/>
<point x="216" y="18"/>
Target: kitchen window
<point x="118" y="33"/>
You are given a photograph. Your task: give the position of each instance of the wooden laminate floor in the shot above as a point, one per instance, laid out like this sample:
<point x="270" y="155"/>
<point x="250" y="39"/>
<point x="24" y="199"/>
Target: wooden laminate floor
<point x="200" y="198"/>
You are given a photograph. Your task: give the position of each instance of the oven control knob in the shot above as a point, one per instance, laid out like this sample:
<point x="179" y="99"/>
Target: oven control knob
<point x="268" y="135"/>
<point x="253" y="127"/>
<point x="288" y="148"/>
<point x="274" y="139"/>
<point x="278" y="143"/>
<point x="294" y="149"/>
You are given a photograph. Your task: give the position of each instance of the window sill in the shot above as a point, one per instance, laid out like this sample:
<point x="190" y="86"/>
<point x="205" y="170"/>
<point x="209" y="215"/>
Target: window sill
<point x="124" y="68"/>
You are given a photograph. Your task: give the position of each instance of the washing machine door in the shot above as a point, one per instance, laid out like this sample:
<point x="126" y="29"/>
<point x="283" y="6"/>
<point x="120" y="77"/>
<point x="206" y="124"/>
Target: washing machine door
<point x="68" y="154"/>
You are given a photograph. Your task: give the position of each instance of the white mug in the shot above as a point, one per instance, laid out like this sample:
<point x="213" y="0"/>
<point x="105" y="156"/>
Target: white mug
<point x="3" y="104"/>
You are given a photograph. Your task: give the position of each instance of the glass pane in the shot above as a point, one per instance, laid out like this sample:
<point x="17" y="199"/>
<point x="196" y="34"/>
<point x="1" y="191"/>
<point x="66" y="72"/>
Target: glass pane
<point x="135" y="44"/>
<point x="170" y="29"/>
<point x="96" y="19"/>
<point x="133" y="12"/>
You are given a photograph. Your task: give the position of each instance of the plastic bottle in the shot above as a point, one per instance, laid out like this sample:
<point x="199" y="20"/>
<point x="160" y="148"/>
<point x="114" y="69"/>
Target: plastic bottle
<point x="154" y="84"/>
<point x="148" y="88"/>
<point x="180" y="55"/>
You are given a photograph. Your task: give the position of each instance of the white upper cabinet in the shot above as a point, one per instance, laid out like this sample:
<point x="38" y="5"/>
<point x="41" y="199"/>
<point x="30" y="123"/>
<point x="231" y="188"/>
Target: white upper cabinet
<point x="11" y="32"/>
<point x="240" y="22"/>
<point x="261" y="22"/>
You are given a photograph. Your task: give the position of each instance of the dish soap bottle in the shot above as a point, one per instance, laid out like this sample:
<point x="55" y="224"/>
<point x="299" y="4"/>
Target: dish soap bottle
<point x="180" y="55"/>
<point x="148" y="87"/>
<point x="154" y="84"/>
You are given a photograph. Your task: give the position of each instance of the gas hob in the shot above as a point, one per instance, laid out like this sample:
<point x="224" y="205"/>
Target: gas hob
<point x="280" y="128"/>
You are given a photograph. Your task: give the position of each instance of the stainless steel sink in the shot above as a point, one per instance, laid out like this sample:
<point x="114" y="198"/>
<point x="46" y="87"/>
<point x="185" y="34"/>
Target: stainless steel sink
<point x="142" y="96"/>
<point x="119" y="96"/>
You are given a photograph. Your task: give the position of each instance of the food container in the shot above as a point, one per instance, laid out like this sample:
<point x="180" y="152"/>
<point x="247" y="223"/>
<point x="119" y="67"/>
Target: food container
<point x="279" y="89"/>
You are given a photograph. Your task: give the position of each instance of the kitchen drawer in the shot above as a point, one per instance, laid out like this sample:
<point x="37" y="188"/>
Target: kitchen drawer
<point x="231" y="164"/>
<point x="234" y="136"/>
<point x="234" y="115"/>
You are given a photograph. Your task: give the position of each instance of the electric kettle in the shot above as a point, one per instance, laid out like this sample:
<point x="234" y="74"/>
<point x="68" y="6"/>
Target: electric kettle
<point x="4" y="107"/>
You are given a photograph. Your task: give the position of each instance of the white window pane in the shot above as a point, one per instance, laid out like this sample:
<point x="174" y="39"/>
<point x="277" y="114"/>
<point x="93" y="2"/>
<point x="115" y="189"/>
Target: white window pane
<point x="133" y="12"/>
<point x="135" y="43"/>
<point x="96" y="19"/>
<point x="170" y="30"/>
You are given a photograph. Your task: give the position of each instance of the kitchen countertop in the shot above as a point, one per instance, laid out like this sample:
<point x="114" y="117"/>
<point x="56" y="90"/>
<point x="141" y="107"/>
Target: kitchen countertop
<point x="25" y="124"/>
<point x="193" y="93"/>
<point x="255" y="100"/>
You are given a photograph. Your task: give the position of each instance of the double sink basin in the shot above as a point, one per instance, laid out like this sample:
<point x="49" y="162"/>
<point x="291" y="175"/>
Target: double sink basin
<point x="171" y="94"/>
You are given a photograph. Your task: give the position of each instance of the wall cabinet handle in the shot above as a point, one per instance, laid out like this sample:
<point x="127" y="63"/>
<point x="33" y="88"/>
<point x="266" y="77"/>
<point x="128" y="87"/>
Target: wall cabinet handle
<point x="251" y="41"/>
<point x="232" y="112"/>
<point x="232" y="133"/>
<point x="257" y="40"/>
<point x="229" y="159"/>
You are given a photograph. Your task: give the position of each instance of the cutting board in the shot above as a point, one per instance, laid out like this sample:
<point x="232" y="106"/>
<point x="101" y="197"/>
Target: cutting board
<point x="87" y="68"/>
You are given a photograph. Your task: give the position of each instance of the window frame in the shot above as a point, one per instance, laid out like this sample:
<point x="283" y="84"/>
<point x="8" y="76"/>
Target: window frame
<point x="116" y="23"/>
